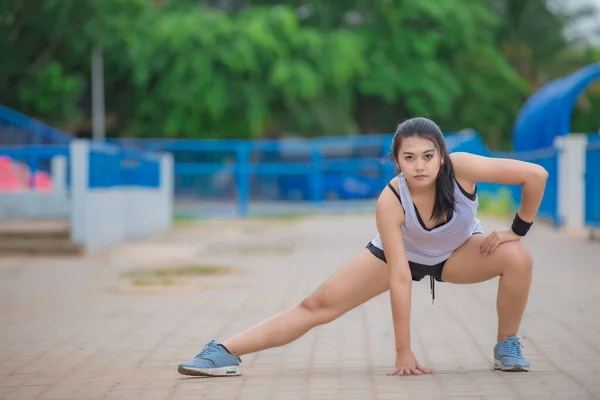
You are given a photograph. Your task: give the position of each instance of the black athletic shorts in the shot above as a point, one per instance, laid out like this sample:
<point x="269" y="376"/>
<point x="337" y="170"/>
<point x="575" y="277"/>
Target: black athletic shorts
<point x="418" y="271"/>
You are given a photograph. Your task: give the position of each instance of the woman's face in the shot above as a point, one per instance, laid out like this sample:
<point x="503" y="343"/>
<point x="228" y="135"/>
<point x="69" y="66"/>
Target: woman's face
<point x="419" y="160"/>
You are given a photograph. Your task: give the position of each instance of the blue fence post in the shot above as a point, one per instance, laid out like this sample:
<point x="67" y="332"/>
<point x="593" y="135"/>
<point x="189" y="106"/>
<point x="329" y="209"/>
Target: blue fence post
<point x="242" y="178"/>
<point x="592" y="184"/>
<point x="316" y="173"/>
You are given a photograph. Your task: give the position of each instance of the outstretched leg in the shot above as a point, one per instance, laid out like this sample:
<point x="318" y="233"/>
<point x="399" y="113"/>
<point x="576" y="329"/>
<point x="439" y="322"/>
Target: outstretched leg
<point x="512" y="262"/>
<point x="361" y="279"/>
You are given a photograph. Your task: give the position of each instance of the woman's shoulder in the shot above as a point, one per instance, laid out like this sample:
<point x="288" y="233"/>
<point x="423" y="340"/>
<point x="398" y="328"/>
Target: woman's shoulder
<point x="395" y="181"/>
<point x="460" y="161"/>
<point x="397" y="187"/>
<point x="389" y="200"/>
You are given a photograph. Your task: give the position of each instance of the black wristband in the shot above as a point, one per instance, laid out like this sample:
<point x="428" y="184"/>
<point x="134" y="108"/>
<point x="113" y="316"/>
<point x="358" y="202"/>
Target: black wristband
<point x="519" y="226"/>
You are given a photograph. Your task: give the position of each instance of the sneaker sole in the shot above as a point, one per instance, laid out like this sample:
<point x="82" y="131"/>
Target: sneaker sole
<point x="517" y="368"/>
<point x="223" y="371"/>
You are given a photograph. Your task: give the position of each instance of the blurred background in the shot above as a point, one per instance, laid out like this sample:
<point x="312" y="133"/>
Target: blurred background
<point x="185" y="109"/>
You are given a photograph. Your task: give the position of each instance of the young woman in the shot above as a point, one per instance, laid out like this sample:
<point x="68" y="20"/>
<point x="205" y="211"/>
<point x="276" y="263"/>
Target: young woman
<point x="427" y="225"/>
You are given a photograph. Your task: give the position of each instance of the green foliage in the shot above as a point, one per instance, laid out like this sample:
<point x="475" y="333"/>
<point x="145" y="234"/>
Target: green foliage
<point x="263" y="68"/>
<point x="50" y="90"/>
<point x="46" y="49"/>
<point x="440" y="59"/>
<point x="586" y="118"/>
<point x="205" y="73"/>
<point x="497" y="205"/>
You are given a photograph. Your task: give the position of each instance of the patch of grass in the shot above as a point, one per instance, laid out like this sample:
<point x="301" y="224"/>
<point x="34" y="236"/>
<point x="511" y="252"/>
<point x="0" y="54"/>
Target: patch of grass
<point x="498" y="205"/>
<point x="167" y="276"/>
<point x="192" y="270"/>
<point x="151" y="281"/>
<point x="183" y="219"/>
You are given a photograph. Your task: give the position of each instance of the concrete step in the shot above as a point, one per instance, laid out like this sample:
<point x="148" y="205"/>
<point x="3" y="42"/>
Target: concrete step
<point x="37" y="237"/>
<point x="40" y="247"/>
<point x="35" y="228"/>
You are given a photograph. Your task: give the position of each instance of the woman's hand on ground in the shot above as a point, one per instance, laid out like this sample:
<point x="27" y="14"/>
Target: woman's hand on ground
<point x="495" y="239"/>
<point x="407" y="364"/>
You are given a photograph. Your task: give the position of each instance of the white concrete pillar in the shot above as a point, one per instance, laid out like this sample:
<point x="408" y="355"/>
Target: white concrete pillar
<point x="167" y="187"/>
<point x="571" y="179"/>
<point x="80" y="155"/>
<point x="58" y="170"/>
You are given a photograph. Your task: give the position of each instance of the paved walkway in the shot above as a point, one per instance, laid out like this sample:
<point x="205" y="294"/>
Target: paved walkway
<point x="74" y="329"/>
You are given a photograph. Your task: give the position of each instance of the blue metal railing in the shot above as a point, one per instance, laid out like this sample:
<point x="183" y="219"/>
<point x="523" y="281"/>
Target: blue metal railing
<point x="18" y="129"/>
<point x="241" y="171"/>
<point x="311" y="170"/>
<point x="592" y="183"/>
<point x="275" y="170"/>
<point x="110" y="166"/>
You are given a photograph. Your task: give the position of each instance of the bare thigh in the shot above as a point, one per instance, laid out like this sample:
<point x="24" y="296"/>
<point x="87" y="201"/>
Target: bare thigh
<point x="468" y="265"/>
<point x="356" y="282"/>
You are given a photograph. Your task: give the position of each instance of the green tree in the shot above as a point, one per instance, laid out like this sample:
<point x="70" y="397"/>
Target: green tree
<point x="426" y="58"/>
<point x="209" y="74"/>
<point x="266" y="68"/>
<point x="47" y="47"/>
<point x="533" y="37"/>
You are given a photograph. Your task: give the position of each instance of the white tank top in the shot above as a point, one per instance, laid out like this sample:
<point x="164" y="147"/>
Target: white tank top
<point x="431" y="247"/>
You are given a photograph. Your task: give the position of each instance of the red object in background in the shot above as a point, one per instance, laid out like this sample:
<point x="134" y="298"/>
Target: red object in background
<point x="14" y="177"/>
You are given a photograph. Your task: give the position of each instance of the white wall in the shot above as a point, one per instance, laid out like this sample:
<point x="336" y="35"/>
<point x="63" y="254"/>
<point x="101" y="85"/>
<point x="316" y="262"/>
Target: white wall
<point x="571" y="179"/>
<point x="34" y="205"/>
<point x="40" y="205"/>
<point x="102" y="223"/>
<point x="148" y="210"/>
<point x="104" y="217"/>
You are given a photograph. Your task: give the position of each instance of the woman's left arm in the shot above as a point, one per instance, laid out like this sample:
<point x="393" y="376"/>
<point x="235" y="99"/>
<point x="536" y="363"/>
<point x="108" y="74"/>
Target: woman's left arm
<point x="531" y="177"/>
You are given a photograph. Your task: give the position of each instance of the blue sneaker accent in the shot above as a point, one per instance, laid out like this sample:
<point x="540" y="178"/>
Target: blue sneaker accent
<point x="213" y="360"/>
<point x="508" y="356"/>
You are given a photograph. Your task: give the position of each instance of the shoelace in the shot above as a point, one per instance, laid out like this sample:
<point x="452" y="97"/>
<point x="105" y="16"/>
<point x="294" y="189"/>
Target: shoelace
<point x="208" y="349"/>
<point x="512" y="347"/>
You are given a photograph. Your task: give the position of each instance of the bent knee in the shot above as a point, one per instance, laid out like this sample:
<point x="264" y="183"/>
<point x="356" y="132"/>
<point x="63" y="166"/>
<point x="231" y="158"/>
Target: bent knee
<point x="517" y="256"/>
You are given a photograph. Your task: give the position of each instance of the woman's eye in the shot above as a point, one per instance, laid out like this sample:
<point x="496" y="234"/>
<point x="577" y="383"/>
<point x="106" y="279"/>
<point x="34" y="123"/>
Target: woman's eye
<point x="408" y="158"/>
<point x="428" y="156"/>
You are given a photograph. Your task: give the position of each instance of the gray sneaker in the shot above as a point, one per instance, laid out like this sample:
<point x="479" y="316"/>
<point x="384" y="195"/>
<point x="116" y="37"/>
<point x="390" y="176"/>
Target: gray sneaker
<point x="213" y="360"/>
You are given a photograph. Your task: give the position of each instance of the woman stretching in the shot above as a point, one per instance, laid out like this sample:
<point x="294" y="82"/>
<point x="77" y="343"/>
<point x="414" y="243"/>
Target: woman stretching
<point x="427" y="225"/>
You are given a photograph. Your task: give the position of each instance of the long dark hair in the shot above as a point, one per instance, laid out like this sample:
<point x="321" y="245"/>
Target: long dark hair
<point x="444" y="203"/>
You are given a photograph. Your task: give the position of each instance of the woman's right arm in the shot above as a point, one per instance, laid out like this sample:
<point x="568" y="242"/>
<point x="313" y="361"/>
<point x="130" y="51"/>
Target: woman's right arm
<point x="389" y="215"/>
